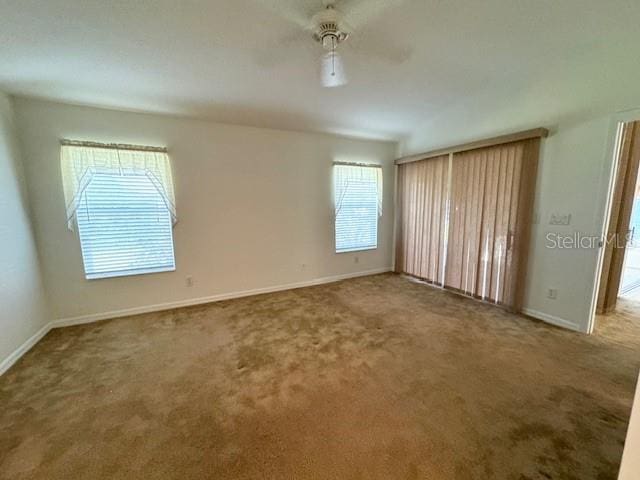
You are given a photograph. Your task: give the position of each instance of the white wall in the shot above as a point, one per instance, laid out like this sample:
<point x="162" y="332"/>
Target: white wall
<point x="573" y="177"/>
<point x="23" y="309"/>
<point x="254" y="206"/>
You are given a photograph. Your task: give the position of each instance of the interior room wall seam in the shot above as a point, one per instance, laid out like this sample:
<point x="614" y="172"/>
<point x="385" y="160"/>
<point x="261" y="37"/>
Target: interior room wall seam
<point x="29" y="208"/>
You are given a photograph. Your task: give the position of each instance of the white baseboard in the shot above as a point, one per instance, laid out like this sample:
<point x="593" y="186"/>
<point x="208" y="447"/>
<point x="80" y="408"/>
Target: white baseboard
<point x="24" y="348"/>
<point x="95" y="317"/>
<point x="557" y="321"/>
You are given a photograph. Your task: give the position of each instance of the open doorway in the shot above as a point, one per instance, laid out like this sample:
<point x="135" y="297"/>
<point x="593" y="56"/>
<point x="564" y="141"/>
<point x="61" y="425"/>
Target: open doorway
<point x="630" y="283"/>
<point x="620" y="277"/>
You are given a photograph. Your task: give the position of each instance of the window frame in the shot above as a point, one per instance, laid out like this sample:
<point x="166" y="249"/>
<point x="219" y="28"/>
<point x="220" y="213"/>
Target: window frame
<point x="379" y="198"/>
<point x="122" y="273"/>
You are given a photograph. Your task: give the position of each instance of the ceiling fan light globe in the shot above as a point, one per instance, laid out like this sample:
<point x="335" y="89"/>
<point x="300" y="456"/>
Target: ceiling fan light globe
<point x="332" y="73"/>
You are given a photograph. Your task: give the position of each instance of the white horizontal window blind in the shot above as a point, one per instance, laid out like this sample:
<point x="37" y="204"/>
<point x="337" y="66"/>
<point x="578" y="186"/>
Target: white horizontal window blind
<point x="121" y="199"/>
<point x="358" y="200"/>
<point x="124" y="226"/>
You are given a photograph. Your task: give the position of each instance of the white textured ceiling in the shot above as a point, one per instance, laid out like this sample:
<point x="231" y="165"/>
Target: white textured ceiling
<point x="238" y="61"/>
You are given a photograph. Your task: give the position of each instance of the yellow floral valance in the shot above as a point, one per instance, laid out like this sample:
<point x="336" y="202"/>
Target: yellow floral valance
<point x="80" y="163"/>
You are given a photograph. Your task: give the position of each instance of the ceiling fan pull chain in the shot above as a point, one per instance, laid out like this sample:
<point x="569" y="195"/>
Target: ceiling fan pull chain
<point x="333" y="57"/>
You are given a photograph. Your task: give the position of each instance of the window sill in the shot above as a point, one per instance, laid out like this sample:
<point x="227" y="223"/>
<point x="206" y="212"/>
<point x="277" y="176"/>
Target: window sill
<point x="129" y="273"/>
<point x="351" y="250"/>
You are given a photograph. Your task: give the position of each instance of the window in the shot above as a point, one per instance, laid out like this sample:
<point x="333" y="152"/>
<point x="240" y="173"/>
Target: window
<point x="122" y="203"/>
<point x="124" y="227"/>
<point x="358" y="203"/>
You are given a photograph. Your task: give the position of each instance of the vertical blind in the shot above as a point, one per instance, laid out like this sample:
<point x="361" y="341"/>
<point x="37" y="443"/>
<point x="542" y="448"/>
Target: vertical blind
<point x="463" y="219"/>
<point x="124" y="227"/>
<point x="358" y="203"/>
<point x="484" y="202"/>
<point x="422" y="201"/>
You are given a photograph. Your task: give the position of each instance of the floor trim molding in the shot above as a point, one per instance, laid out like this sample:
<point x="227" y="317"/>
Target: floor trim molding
<point x="96" y="317"/>
<point x="545" y="317"/>
<point x="13" y="357"/>
<point x="557" y="321"/>
<point x="6" y="363"/>
<point x="24" y="348"/>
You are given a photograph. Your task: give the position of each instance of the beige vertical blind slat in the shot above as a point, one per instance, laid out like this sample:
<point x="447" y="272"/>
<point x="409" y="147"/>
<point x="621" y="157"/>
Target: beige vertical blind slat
<point x="514" y="219"/>
<point x="523" y="217"/>
<point x="422" y="201"/>
<point x="503" y="220"/>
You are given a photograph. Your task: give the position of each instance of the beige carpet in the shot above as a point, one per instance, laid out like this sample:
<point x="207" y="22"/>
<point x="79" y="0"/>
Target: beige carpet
<point x="371" y="378"/>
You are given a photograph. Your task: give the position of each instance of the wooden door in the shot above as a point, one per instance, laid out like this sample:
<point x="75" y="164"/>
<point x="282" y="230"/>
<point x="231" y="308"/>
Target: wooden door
<point x="620" y="216"/>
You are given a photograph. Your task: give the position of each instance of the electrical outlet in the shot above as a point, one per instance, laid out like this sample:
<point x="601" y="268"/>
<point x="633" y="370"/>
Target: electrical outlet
<point x="552" y="293"/>
<point x="189" y="281"/>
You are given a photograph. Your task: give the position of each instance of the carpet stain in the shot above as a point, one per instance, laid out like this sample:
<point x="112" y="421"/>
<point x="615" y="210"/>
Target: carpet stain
<point x="371" y="378"/>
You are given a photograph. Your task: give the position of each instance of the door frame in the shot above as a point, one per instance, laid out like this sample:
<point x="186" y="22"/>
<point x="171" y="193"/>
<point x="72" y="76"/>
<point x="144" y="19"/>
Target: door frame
<point x="608" y="181"/>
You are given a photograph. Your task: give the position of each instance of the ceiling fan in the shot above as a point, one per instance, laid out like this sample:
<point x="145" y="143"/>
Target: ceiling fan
<point x="330" y="30"/>
<point x="335" y="22"/>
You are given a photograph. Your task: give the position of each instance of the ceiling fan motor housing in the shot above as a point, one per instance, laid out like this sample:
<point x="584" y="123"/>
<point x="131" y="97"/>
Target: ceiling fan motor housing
<point x="327" y="29"/>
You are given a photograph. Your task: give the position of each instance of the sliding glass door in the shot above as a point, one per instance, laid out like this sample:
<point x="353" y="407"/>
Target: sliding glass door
<point x="464" y="220"/>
